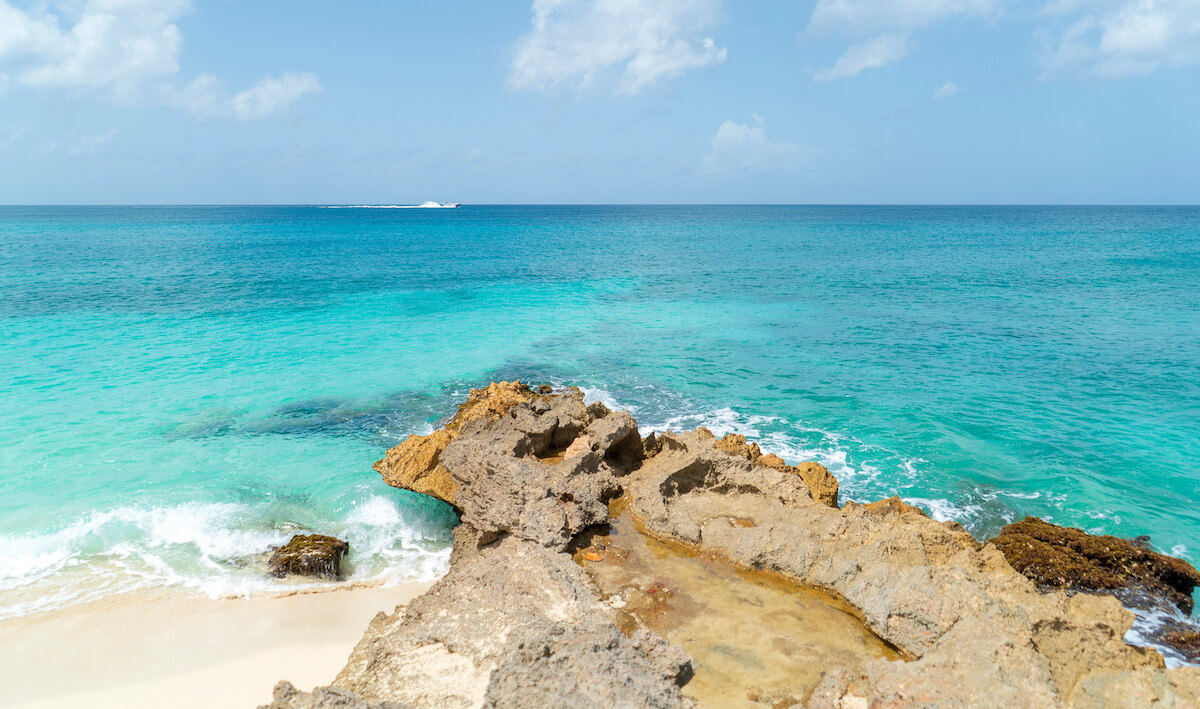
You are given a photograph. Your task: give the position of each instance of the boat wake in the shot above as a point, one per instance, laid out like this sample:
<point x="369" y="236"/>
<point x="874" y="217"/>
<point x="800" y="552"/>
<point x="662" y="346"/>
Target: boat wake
<point x="423" y="205"/>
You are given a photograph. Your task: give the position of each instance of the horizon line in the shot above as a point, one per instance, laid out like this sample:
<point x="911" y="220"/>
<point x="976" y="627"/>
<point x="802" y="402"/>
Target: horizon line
<point x="614" y="204"/>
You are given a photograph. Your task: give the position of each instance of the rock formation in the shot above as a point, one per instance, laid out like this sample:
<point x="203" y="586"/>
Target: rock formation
<point x="516" y="622"/>
<point x="309" y="555"/>
<point x="1066" y="558"/>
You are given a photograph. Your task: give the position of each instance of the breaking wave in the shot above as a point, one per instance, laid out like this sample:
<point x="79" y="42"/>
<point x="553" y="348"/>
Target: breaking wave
<point x="215" y="549"/>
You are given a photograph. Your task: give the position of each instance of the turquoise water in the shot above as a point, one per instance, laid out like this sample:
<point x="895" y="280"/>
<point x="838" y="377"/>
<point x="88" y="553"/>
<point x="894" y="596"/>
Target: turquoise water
<point x="183" y="387"/>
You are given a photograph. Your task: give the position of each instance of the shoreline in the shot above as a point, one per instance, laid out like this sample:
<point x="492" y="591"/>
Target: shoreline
<point x="551" y="580"/>
<point x="161" y="649"/>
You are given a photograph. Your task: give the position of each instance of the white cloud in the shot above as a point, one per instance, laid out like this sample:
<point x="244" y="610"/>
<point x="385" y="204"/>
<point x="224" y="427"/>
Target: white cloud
<point x="126" y="51"/>
<point x="1113" y="40"/>
<point x="872" y="54"/>
<point x="946" y="90"/>
<point x="892" y="23"/>
<point x="623" y="46"/>
<point x="204" y="98"/>
<point x="862" y="17"/>
<point x="739" y="147"/>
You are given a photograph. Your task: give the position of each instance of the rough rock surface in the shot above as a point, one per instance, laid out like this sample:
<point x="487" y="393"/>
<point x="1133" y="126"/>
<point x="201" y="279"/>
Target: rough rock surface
<point x="822" y="486"/>
<point x="286" y="696"/>
<point x="516" y="623"/>
<point x="1067" y="558"/>
<point x="415" y="463"/>
<point x="309" y="555"/>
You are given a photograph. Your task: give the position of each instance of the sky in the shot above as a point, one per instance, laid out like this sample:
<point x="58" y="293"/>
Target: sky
<point x="600" y="101"/>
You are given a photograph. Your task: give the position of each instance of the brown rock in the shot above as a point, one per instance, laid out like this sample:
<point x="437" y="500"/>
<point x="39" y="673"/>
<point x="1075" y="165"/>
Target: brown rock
<point x="578" y="447"/>
<point x="1056" y="557"/>
<point x="491" y="402"/>
<point x="735" y="444"/>
<point x="309" y="555"/>
<point x="821" y="483"/>
<point x="516" y="622"/>
<point x="978" y="633"/>
<point x="414" y="465"/>
<point x="772" y="461"/>
<point x="892" y="506"/>
<point x="545" y="389"/>
<point x="1186" y="641"/>
<point x="513" y="625"/>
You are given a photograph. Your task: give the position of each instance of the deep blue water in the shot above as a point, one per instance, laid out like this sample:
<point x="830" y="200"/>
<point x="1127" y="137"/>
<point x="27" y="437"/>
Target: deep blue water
<point x="183" y="387"/>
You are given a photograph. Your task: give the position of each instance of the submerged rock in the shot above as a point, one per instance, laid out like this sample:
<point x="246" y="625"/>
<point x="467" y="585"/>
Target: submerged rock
<point x="1066" y="558"/>
<point x="314" y="555"/>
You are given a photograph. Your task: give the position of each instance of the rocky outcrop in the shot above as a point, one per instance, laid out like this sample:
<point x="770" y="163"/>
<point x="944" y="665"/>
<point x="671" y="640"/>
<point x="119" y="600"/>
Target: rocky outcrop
<point x="1056" y="557"/>
<point x="415" y="463"/>
<point x="516" y="622"/>
<point x="822" y="486"/>
<point x="286" y="696"/>
<point x="314" y="555"/>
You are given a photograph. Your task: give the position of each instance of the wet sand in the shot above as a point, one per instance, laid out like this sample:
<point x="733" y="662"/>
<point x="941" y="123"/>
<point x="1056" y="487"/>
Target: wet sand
<point x="154" y="649"/>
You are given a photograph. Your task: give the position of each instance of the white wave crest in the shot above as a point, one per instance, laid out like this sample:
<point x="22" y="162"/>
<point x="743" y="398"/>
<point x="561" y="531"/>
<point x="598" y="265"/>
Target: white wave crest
<point x="215" y="549"/>
<point x="423" y="205"/>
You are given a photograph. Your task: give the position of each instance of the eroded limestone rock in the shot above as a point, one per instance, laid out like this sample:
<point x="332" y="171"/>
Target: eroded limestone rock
<point x="415" y="463"/>
<point x="516" y="622"/>
<point x="509" y="618"/>
<point x="821" y="483"/>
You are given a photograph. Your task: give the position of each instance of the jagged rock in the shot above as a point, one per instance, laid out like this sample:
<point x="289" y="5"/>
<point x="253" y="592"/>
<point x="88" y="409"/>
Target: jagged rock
<point x="414" y="465"/>
<point x="516" y="622"/>
<point x="891" y="506"/>
<point x="979" y="633"/>
<point x="491" y="402"/>
<point x="309" y="555"/>
<point x="1067" y="558"/>
<point x="735" y="444"/>
<point x="821" y="483"/>
<point x="286" y="696"/>
<point x="513" y="624"/>
<point x="505" y="487"/>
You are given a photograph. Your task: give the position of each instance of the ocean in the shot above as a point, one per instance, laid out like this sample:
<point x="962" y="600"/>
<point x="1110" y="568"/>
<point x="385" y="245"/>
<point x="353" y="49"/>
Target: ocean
<point x="185" y="387"/>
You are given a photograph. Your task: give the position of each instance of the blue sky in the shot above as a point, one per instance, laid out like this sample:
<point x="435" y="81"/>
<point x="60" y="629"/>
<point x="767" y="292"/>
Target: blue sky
<point x="826" y="101"/>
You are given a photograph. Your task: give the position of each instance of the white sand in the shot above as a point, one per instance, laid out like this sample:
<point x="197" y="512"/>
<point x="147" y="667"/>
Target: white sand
<point x="153" y="650"/>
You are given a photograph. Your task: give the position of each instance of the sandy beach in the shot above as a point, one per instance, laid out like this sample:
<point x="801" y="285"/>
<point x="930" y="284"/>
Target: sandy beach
<point x="155" y="649"/>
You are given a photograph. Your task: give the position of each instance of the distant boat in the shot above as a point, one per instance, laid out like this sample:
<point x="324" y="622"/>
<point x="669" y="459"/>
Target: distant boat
<point x="423" y="205"/>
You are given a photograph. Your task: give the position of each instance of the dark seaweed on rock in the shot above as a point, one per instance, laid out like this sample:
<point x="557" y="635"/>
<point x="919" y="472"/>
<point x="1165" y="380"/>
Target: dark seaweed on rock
<point x="309" y="555"/>
<point x="1066" y="558"/>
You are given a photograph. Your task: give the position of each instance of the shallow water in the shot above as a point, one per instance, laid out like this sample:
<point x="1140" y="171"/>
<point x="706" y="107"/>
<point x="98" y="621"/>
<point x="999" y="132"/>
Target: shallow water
<point x="184" y="387"/>
<point x="753" y="637"/>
